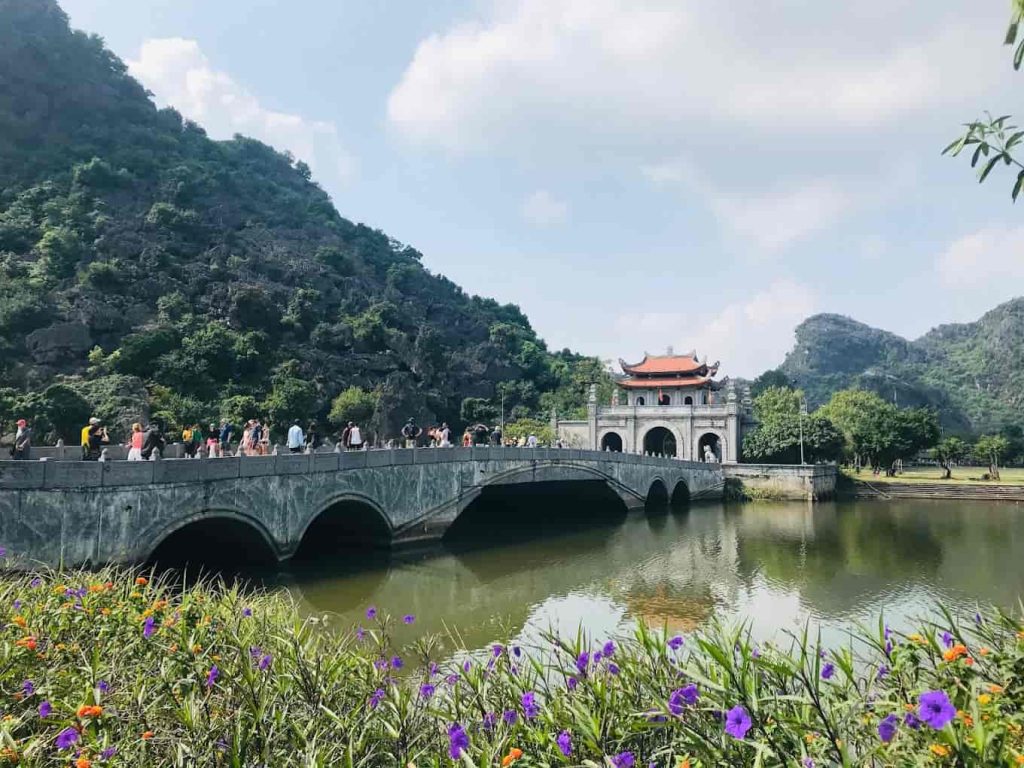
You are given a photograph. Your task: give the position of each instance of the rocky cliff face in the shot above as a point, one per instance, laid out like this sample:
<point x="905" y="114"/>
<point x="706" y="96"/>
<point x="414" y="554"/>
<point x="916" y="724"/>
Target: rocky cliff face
<point x="973" y="373"/>
<point x="132" y="245"/>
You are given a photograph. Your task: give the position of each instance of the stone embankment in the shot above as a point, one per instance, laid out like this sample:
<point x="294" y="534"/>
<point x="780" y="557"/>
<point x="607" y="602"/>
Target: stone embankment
<point x="860" y="489"/>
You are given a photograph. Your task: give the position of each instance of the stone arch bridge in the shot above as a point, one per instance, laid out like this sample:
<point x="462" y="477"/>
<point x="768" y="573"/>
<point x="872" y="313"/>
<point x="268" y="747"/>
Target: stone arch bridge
<point x="89" y="513"/>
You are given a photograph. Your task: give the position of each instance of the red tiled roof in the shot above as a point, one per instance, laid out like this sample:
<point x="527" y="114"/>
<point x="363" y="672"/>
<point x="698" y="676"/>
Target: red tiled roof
<point x="689" y="381"/>
<point x="664" y="364"/>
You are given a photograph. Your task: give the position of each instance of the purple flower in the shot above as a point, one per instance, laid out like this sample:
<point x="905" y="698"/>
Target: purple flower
<point x="408" y="618"/>
<point x="35" y="582"/>
<point x="371" y="613"/>
<point x="821" y="653"/>
<point x="426" y="690"/>
<point x="458" y="740"/>
<point x="676" y="643"/>
<point x="828" y="670"/>
<point x="108" y="753"/>
<point x="623" y="760"/>
<point x="978" y="619"/>
<point x="376" y="698"/>
<point x="17" y="605"/>
<point x="935" y="709"/>
<point x="888" y="647"/>
<point x="360" y="634"/>
<point x="148" y="627"/>
<point x="467" y="665"/>
<point x="887" y="728"/>
<point x="530" y="707"/>
<point x="510" y="716"/>
<point x="103" y="686"/>
<point x="564" y="742"/>
<point x="947" y="639"/>
<point x="910" y="720"/>
<point x="497" y="649"/>
<point x="3" y="552"/>
<point x="396" y="662"/>
<point x="755" y="653"/>
<point x="433" y="670"/>
<point x="255" y="652"/>
<point x="807" y="763"/>
<point x="886" y="633"/>
<point x="265" y="661"/>
<point x="582" y="661"/>
<point x="490" y="719"/>
<point x="516" y="651"/>
<point x="67" y="738"/>
<point x="212" y="675"/>
<point x="613" y="668"/>
<point x="451" y="679"/>
<point x="28" y="688"/>
<point x="681" y="698"/>
<point x="737" y="722"/>
<point x="882" y="672"/>
<point x="571" y="683"/>
<point x="247" y="612"/>
<point x="45" y="709"/>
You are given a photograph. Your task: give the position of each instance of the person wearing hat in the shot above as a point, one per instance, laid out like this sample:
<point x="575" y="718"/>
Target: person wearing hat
<point x="410" y="432"/>
<point x="22" y="442"/>
<point x="93" y="437"/>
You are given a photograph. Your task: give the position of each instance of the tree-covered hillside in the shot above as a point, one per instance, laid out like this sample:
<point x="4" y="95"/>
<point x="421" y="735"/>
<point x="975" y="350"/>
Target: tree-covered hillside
<point x="972" y="373"/>
<point x="147" y="268"/>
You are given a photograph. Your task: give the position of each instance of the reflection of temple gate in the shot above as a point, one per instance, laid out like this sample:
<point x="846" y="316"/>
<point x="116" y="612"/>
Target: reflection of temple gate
<point x="660" y="441"/>
<point x="710" y="441"/>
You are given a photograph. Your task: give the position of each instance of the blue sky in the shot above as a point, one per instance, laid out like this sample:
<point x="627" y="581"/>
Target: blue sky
<point x="632" y="173"/>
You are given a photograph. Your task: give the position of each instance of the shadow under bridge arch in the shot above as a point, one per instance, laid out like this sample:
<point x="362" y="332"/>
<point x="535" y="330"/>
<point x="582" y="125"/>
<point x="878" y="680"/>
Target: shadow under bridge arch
<point x="347" y="522"/>
<point x="214" y="540"/>
<point x="538" y="501"/>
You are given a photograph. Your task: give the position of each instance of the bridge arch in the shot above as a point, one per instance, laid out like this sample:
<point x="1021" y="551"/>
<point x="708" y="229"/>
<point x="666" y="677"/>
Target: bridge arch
<point x="611" y="441"/>
<point x="680" y="498"/>
<point x="213" y="537"/>
<point x="345" y="520"/>
<point x="657" y="496"/>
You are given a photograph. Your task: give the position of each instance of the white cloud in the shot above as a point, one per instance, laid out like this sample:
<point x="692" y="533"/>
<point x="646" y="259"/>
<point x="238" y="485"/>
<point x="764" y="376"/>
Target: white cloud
<point x="674" y="65"/>
<point x="179" y="74"/>
<point x="991" y="259"/>
<point x="748" y="336"/>
<point x="542" y="209"/>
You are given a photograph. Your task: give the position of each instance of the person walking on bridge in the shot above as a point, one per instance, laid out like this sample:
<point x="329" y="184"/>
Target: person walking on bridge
<point x="296" y="440"/>
<point x="135" y="442"/>
<point x="22" y="442"/>
<point x="355" y="437"/>
<point x="410" y="432"/>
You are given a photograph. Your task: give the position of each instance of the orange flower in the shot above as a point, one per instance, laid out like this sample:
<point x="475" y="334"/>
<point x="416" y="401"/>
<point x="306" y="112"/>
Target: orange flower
<point x="83" y="762"/>
<point x="95" y="588"/>
<point x="513" y="754"/>
<point x="967" y="719"/>
<point x="984" y="651"/>
<point x="995" y="688"/>
<point x="9" y="755"/>
<point x="108" y="585"/>
<point x="1019" y="759"/>
<point x="685" y="763"/>
<point x="20" y="621"/>
<point x="939" y="750"/>
<point x="27" y="642"/>
<point x="159" y="605"/>
<point x="969" y="661"/>
<point x="147" y="735"/>
<point x="955" y="652"/>
<point x="105" y="611"/>
<point x="142" y="581"/>
<point x="88" y="710"/>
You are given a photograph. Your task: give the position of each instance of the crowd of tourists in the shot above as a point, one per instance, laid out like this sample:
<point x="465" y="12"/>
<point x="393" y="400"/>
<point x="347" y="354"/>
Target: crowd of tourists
<point x="149" y="442"/>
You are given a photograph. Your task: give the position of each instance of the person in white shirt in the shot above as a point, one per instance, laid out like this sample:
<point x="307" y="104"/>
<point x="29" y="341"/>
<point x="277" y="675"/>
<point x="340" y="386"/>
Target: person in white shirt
<point x="445" y="435"/>
<point x="355" y="438"/>
<point x="531" y="441"/>
<point x="296" y="440"/>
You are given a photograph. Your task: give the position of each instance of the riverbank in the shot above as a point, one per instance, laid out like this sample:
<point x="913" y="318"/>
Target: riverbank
<point x="112" y="669"/>
<point x="868" y="487"/>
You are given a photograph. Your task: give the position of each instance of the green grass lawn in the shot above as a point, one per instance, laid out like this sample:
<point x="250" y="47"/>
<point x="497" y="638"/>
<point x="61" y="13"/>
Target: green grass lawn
<point x="961" y="476"/>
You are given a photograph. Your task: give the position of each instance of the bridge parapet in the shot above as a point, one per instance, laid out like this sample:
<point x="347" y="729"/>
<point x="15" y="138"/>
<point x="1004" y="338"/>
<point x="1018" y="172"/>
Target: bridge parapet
<point x="19" y="475"/>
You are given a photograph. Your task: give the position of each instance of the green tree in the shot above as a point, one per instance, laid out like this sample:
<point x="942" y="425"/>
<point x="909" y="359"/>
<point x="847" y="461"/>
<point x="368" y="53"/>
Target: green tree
<point x="238" y="409"/>
<point x="949" y="451"/>
<point x="771" y="378"/>
<point x="776" y="440"/>
<point x="989" y="449"/>
<point x="291" y="398"/>
<point x="353" y="404"/>
<point x="57" y="412"/>
<point x="993" y="140"/>
<point x="523" y="428"/>
<point x="477" y="409"/>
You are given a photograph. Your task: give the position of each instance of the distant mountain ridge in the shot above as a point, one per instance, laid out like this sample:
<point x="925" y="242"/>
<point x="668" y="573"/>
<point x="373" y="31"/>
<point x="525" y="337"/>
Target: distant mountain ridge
<point x="973" y="373"/>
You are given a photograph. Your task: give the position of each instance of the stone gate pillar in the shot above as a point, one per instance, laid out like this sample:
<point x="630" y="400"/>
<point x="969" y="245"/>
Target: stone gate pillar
<point x="592" y="417"/>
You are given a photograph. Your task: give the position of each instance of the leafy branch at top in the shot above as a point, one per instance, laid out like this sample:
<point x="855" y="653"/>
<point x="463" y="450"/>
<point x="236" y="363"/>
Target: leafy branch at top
<point x="994" y="139"/>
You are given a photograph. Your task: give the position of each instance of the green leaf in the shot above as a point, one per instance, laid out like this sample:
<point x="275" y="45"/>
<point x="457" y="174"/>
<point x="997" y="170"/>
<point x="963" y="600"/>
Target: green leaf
<point x="989" y="166"/>
<point x="1017" y="187"/>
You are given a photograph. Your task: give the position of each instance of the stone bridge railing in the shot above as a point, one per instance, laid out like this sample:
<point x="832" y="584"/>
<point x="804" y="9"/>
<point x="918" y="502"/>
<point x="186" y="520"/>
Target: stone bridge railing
<point x="97" y="474"/>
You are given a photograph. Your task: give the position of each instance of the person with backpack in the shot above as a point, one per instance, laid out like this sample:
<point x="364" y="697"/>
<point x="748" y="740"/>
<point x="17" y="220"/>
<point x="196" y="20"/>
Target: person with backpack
<point x="410" y="432"/>
<point x="153" y="441"/>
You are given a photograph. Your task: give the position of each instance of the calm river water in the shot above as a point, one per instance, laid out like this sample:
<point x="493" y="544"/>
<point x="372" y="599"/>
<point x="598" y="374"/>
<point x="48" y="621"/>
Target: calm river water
<point x="774" y="565"/>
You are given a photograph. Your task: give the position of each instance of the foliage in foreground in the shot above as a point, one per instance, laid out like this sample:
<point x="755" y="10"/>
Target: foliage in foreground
<point x="110" y="669"/>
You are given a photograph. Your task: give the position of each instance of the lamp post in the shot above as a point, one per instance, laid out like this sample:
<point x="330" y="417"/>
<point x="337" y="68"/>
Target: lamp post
<point x="503" y="415"/>
<point x="803" y="412"/>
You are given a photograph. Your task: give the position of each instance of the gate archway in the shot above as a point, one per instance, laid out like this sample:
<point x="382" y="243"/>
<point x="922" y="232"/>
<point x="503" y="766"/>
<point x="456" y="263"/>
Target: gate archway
<point x="660" y="441"/>
<point x="612" y="441"/>
<point x="709" y="440"/>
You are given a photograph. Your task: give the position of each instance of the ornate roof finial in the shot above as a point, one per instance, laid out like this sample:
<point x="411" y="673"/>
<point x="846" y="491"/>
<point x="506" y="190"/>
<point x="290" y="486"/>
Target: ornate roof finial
<point x="669" y="350"/>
